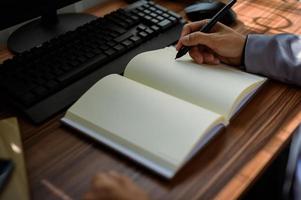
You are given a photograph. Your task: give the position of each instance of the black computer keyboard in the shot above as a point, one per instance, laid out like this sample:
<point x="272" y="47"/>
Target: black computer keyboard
<point x="44" y="80"/>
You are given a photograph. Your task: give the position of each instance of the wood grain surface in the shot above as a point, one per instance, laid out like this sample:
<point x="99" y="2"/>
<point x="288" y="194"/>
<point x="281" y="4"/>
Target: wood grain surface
<point x="61" y="161"/>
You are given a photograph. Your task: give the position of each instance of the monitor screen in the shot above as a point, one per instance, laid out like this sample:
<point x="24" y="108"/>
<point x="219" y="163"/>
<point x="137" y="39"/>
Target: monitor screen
<point x="13" y="12"/>
<point x="47" y="26"/>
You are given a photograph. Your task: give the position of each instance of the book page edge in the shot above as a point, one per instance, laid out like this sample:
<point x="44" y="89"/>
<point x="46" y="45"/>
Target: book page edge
<point x="167" y="173"/>
<point x="240" y="104"/>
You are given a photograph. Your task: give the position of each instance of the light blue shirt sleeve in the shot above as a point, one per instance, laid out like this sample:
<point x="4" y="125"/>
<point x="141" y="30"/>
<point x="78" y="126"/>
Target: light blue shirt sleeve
<point x="275" y="56"/>
<point x="279" y="57"/>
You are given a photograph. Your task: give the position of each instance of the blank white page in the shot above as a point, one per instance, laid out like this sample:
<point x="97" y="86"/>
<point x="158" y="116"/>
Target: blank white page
<point x="217" y="88"/>
<point x="158" y="126"/>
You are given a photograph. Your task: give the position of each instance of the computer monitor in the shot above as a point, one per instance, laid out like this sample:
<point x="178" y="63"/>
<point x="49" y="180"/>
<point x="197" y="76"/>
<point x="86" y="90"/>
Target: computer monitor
<point x="48" y="24"/>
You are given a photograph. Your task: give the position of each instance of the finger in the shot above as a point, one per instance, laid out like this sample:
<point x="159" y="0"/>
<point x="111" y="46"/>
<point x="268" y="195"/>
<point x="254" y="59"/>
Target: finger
<point x="189" y="28"/>
<point x="99" y="176"/>
<point x="196" y="55"/>
<point x="192" y="27"/>
<point x="119" y="177"/>
<point x="96" y="178"/>
<point x="224" y="59"/>
<point x="179" y="45"/>
<point x="102" y="181"/>
<point x="218" y="27"/>
<point x="190" y="32"/>
<point x="213" y="58"/>
<point x="208" y="57"/>
<point x="216" y="61"/>
<point x="196" y="26"/>
<point x="113" y="174"/>
<point x="198" y="38"/>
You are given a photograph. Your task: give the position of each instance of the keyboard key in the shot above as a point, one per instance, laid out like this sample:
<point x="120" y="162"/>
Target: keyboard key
<point x="82" y="59"/>
<point x="173" y="19"/>
<point x="160" y="18"/>
<point x="120" y="48"/>
<point x="111" y="43"/>
<point x="56" y="72"/>
<point x="28" y="99"/>
<point x="147" y="12"/>
<point x="73" y="63"/>
<point x="143" y="34"/>
<point x="128" y="43"/>
<point x="110" y="52"/>
<point x="104" y="47"/>
<point x="174" y="14"/>
<point x="114" y="34"/>
<point x="66" y="67"/>
<point x="136" y="39"/>
<point x="165" y="15"/>
<point x="154" y="15"/>
<point x="79" y="71"/>
<point x="148" y="18"/>
<point x="120" y="30"/>
<point x="155" y="21"/>
<point x="151" y="3"/>
<point x="141" y="27"/>
<point x="165" y="24"/>
<point x="17" y="87"/>
<point x="52" y="84"/>
<point x="134" y="18"/>
<point x="89" y="54"/>
<point x="145" y="6"/>
<point x="48" y="76"/>
<point x="102" y="58"/>
<point x="155" y="28"/>
<point x="152" y="9"/>
<point x="149" y="31"/>
<point x="161" y="8"/>
<point x="159" y="12"/>
<point x="40" y="91"/>
<point x="140" y="9"/>
<point x="141" y="14"/>
<point x="123" y="37"/>
<point x="96" y="51"/>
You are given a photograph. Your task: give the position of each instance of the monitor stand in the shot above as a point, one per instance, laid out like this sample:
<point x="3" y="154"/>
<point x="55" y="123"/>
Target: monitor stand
<point x="50" y="25"/>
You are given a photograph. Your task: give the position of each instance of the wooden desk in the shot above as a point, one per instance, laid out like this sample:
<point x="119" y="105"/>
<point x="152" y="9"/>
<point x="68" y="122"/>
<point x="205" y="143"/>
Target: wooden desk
<point x="61" y="162"/>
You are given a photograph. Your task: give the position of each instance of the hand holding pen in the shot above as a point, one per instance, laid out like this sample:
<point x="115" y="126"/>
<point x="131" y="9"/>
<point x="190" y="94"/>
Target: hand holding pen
<point x="204" y="28"/>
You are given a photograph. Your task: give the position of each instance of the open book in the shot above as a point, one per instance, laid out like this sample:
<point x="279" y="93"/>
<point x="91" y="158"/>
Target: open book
<point x="162" y="111"/>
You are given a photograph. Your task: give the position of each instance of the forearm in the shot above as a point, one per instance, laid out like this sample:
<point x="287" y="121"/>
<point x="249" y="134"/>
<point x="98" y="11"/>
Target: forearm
<point x="277" y="57"/>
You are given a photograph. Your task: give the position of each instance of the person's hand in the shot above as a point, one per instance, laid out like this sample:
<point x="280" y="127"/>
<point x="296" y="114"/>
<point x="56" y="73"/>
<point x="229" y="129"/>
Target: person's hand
<point x="113" y="186"/>
<point x="222" y="44"/>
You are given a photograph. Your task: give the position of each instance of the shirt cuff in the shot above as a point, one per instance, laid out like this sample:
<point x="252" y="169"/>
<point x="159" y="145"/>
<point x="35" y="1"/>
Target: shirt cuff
<point x="256" y="57"/>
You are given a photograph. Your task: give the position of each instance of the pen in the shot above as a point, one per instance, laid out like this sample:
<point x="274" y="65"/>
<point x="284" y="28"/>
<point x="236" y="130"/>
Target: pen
<point x="207" y="27"/>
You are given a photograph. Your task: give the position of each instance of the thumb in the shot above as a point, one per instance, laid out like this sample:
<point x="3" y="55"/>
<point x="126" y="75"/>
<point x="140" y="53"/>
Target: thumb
<point x="197" y="38"/>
